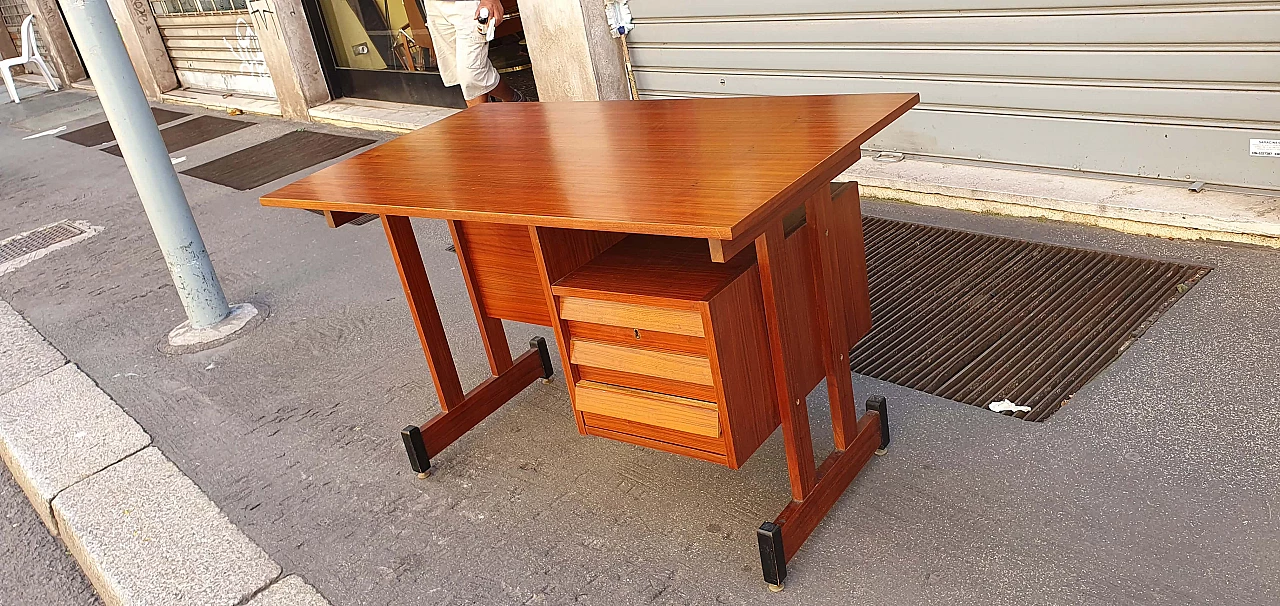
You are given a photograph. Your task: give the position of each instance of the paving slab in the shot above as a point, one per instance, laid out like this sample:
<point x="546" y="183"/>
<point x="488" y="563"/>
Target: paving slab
<point x="1146" y="208"/>
<point x="60" y="429"/>
<point x="24" y="354"/>
<point x="24" y="92"/>
<point x="379" y="115"/>
<point x="289" y="591"/>
<point x="42" y="104"/>
<point x="145" y="534"/>
<point x="89" y="108"/>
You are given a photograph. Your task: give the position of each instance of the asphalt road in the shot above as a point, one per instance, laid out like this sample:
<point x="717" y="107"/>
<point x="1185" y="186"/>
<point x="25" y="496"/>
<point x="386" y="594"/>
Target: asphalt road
<point x="35" y="569"/>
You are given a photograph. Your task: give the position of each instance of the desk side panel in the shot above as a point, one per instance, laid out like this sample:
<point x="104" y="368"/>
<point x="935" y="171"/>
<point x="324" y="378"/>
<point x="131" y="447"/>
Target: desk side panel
<point x="504" y="271"/>
<point x="743" y="365"/>
<point x="853" y="262"/>
<point x="796" y="281"/>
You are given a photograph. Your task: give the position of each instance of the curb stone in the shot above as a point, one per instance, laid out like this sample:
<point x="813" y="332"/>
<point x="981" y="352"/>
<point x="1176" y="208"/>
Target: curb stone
<point x="142" y="531"/>
<point x="60" y="429"/>
<point x="141" y="520"/>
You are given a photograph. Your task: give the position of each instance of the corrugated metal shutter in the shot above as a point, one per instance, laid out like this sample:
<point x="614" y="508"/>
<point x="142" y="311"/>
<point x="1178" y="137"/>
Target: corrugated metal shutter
<point x="216" y="51"/>
<point x="1134" y="87"/>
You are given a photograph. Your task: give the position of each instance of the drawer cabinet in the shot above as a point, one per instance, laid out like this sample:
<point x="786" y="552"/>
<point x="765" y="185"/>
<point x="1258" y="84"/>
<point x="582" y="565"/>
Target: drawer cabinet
<point x="668" y="349"/>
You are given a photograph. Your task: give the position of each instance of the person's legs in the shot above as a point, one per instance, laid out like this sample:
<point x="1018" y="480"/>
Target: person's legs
<point x="504" y="92"/>
<point x="475" y="73"/>
<point x="443" y="40"/>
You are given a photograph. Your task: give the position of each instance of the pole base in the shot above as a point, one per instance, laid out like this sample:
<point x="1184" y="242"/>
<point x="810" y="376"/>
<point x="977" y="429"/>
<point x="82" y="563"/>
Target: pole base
<point x="184" y="339"/>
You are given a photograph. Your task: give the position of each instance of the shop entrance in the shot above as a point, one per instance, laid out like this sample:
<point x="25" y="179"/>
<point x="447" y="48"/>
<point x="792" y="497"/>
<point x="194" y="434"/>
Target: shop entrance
<point x="381" y="49"/>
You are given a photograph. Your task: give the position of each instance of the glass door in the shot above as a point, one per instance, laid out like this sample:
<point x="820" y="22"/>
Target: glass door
<point x="381" y="49"/>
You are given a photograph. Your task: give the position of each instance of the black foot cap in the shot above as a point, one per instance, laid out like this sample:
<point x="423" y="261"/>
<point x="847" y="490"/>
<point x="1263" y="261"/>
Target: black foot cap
<point x="773" y="560"/>
<point x="878" y="404"/>
<point x="540" y="344"/>
<point x="419" y="460"/>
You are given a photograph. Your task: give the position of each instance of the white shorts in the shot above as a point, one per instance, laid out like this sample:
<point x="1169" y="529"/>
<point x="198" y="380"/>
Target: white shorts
<point x="461" y="51"/>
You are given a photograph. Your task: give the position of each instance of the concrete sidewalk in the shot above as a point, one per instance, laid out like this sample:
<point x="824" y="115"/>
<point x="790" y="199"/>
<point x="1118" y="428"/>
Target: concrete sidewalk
<point x="1147" y="207"/>
<point x="1157" y="484"/>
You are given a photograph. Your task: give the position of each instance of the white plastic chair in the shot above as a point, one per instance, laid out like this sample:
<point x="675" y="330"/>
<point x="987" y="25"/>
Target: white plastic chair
<point x="29" y="54"/>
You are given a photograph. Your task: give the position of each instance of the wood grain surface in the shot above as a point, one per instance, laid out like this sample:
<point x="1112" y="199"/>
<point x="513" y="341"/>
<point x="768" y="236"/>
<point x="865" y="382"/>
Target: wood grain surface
<point x="630" y="315"/>
<point x="667" y="365"/>
<point x="661" y="410"/>
<point x="641" y="268"/>
<point x="701" y="168"/>
<point x="635" y="337"/>
<point x="502" y="271"/>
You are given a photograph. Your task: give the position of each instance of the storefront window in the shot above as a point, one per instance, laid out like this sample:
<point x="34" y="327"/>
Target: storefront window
<point x="378" y="34"/>
<point x="382" y="49"/>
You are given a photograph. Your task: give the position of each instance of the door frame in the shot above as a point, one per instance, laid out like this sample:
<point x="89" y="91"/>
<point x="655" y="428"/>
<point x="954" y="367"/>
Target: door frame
<point x="417" y="88"/>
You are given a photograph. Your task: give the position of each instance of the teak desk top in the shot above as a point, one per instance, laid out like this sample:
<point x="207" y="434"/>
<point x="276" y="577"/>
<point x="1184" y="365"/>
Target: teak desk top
<point x="697" y="168"/>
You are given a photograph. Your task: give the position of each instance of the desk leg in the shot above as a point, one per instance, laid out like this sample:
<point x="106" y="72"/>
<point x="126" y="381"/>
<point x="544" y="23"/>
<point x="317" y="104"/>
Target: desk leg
<point x="813" y="492"/>
<point x="459" y="412"/>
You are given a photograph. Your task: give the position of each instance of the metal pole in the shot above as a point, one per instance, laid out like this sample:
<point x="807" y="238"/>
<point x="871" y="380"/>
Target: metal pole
<point x="144" y="153"/>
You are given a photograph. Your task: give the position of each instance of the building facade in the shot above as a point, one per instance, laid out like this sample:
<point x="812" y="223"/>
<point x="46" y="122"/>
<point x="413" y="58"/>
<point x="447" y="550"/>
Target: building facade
<point x="1165" y="89"/>
<point x="1176" y="90"/>
<point x="302" y="53"/>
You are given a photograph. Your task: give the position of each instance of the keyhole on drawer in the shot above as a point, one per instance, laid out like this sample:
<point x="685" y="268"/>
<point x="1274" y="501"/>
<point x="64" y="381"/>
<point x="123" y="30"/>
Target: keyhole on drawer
<point x="636" y="331"/>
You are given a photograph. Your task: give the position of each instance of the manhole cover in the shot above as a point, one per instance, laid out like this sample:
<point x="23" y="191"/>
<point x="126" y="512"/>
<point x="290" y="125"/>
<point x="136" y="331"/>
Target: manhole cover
<point x="23" y="248"/>
<point x="982" y="319"/>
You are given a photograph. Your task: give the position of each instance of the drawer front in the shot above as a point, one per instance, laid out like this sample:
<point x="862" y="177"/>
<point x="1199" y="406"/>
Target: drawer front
<point x="706" y="393"/>
<point x="660" y="410"/>
<point x="638" y="338"/>
<point x="662" y="364"/>
<point x="629" y="315"/>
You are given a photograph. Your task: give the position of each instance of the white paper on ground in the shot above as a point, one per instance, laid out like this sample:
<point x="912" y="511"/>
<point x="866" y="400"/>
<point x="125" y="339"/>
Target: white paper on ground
<point x="52" y="131"/>
<point x="1005" y="405"/>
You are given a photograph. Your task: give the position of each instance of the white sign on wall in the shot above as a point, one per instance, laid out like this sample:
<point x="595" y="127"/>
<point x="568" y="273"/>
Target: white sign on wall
<point x="1267" y="148"/>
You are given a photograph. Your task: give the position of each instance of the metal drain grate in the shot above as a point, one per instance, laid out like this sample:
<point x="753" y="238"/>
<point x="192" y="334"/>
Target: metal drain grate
<point x="978" y="319"/>
<point x="22" y="245"/>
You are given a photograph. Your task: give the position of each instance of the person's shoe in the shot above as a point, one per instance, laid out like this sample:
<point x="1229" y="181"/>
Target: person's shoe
<point x="518" y="98"/>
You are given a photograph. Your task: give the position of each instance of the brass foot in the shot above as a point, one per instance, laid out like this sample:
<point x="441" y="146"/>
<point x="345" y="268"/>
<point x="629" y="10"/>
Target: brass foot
<point x="776" y="588"/>
<point x="423" y="475"/>
<point x="880" y="452"/>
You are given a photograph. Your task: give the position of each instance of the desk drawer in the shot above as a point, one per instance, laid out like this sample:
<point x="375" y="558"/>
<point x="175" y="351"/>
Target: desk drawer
<point x="629" y="315"/>
<point x="669" y="350"/>
<point x="662" y="364"/>
<point x="660" y="410"/>
<point x="639" y="338"/>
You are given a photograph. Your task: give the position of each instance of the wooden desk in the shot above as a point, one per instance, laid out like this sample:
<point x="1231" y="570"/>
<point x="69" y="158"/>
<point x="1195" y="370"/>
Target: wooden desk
<point x="535" y="192"/>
